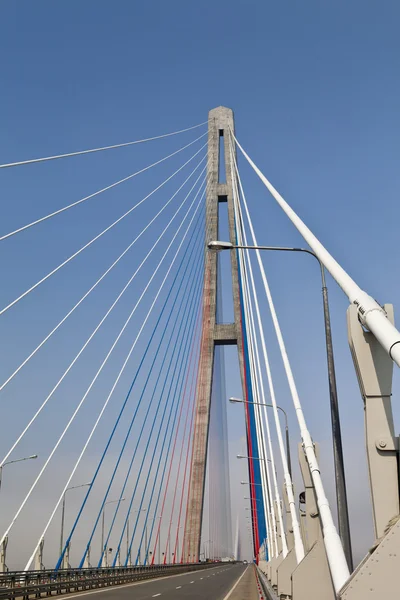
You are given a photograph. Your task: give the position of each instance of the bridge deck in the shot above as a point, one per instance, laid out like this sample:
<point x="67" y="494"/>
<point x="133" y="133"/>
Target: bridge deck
<point x="246" y="589"/>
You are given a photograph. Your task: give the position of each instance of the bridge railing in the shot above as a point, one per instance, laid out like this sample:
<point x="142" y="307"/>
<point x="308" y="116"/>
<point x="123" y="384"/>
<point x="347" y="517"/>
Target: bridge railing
<point x="35" y="584"/>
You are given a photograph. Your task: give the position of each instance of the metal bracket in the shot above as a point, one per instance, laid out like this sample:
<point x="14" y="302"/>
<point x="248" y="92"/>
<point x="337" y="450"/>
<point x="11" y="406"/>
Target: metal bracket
<point x="378" y="576"/>
<point x="313" y="526"/>
<point x="374" y="370"/>
<point x="3" y="550"/>
<point x="311" y="579"/>
<point x="275" y="563"/>
<point x="285" y="571"/>
<point x="39" y="566"/>
<point x="86" y="564"/>
<point x="65" y="561"/>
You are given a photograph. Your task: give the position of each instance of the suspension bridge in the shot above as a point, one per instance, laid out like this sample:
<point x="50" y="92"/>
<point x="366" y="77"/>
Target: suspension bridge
<point x="113" y="383"/>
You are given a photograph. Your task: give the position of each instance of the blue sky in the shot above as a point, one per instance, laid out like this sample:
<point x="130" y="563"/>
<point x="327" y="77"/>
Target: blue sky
<point x="315" y="91"/>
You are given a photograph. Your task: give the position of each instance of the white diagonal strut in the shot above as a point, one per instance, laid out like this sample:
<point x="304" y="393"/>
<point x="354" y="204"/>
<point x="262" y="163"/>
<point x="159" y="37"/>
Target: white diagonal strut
<point x="334" y="549"/>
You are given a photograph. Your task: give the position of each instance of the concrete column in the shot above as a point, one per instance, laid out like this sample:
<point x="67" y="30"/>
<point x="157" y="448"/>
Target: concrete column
<point x="220" y="120"/>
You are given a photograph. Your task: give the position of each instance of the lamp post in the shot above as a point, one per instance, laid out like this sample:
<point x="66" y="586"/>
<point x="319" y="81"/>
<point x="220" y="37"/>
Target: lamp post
<point x="103" y="553"/>
<point x="169" y="543"/>
<point x="74" y="487"/>
<point x="176" y="555"/>
<point x="340" y="480"/>
<point x="128" y="553"/>
<point x="145" y="537"/>
<point x="289" y="460"/>
<point x="209" y="542"/>
<point x="10" y="462"/>
<point x="252" y="457"/>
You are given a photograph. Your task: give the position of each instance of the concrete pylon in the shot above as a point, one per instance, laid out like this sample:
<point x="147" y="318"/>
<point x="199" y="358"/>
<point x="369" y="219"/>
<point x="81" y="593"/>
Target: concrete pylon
<point x="220" y="121"/>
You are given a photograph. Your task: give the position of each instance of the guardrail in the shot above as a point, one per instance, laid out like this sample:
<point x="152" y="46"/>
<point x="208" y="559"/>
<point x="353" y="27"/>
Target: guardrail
<point x="267" y="589"/>
<point x="36" y="584"/>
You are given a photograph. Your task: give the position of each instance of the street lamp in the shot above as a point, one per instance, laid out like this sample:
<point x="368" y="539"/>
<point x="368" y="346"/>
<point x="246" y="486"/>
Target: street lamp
<point x="249" y="483"/>
<point x="128" y="553"/>
<point x="103" y="553"/>
<point x="340" y="480"/>
<point x="209" y="542"/>
<point x="74" y="487"/>
<point x="289" y="460"/>
<point x="145" y="539"/>
<point x="252" y="457"/>
<point x="10" y="462"/>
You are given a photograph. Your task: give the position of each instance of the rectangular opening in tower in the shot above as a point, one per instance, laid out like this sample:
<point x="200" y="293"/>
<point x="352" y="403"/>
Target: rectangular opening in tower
<point x="221" y="158"/>
<point x="225" y="312"/>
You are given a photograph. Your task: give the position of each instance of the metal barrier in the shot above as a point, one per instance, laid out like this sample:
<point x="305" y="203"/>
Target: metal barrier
<point x="35" y="584"/>
<point x="267" y="589"/>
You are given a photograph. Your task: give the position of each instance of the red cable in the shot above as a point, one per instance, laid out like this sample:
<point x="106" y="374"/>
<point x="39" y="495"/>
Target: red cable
<point x="200" y="373"/>
<point x="174" y="445"/>
<point x="250" y="453"/>
<point x="179" y="468"/>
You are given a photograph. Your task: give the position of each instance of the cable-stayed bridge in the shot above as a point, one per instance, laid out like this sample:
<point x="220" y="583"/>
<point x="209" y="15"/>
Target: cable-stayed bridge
<point x="114" y="392"/>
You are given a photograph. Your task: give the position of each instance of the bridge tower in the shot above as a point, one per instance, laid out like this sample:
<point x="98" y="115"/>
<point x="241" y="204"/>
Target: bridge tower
<point x="220" y="121"/>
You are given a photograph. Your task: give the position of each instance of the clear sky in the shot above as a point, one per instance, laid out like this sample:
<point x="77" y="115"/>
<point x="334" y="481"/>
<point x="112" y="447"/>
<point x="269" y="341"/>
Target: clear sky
<point x="315" y="90"/>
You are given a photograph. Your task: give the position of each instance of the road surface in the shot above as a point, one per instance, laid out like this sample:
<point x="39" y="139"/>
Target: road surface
<point x="208" y="584"/>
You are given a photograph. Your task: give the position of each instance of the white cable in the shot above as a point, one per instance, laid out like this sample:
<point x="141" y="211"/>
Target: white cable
<point x="157" y="137"/>
<point x="96" y="329"/>
<point x="266" y="482"/>
<point x="298" y="543"/>
<point x="7" y="381"/>
<point x="253" y="382"/>
<point x="121" y="370"/>
<point x="256" y="374"/>
<point x="2" y="311"/>
<point x="108" y="187"/>
<point x="94" y="379"/>
<point x="241" y="232"/>
<point x="372" y="316"/>
<point x="334" y="549"/>
<point x="262" y="437"/>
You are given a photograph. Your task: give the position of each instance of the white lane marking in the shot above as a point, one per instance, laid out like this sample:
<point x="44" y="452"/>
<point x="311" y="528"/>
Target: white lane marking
<point x="155" y="595"/>
<point x="192" y="582"/>
<point x="114" y="587"/>
<point x="178" y="587"/>
<point x="201" y="577"/>
<point x="234" y="586"/>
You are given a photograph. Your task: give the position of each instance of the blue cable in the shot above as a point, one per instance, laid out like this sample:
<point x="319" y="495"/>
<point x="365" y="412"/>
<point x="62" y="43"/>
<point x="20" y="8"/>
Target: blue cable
<point x="151" y="400"/>
<point x="141" y="432"/>
<point x="145" y="387"/>
<point x="160" y="487"/>
<point x="176" y="396"/>
<point x="261" y="524"/>
<point x="59" y="562"/>
<point x="147" y="413"/>
<point x="188" y="325"/>
<point x="125" y="441"/>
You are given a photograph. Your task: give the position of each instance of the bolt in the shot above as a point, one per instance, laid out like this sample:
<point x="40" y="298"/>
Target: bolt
<point x="382" y="444"/>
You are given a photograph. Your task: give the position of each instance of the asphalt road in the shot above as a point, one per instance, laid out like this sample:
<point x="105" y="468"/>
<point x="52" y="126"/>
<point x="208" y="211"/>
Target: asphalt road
<point x="208" y="584"/>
